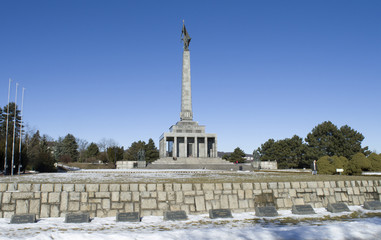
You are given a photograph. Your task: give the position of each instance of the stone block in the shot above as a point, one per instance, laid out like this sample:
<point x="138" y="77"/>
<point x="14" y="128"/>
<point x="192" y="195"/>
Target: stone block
<point x="68" y="187"/>
<point x="54" y="197"/>
<point x="36" y="187"/>
<point x="151" y="187"/>
<point x="84" y="207"/>
<point x="189" y="200"/>
<point x="312" y="185"/>
<point x="233" y="201"/>
<point x="3" y="187"/>
<point x="73" y="206"/>
<point x="24" y="187"/>
<point x="22" y="206"/>
<point x="241" y="194"/>
<point x="247" y="186"/>
<point x="57" y="187"/>
<point x="248" y="194"/>
<point x="243" y="204"/>
<point x="104" y="187"/>
<point x="174" y="207"/>
<point x="145" y="194"/>
<point x="92" y="187"/>
<point x="124" y="187"/>
<point x="273" y="185"/>
<point x="129" y="207"/>
<point x="218" y="186"/>
<point x="149" y="203"/>
<point x="279" y="203"/>
<point x="44" y="197"/>
<point x="74" y="196"/>
<point x="161" y="196"/>
<point x="176" y="187"/>
<point x="168" y="187"/>
<point x="200" y="203"/>
<point x="257" y="186"/>
<point x="114" y="187"/>
<point x="295" y="185"/>
<point x="12" y="187"/>
<point x="236" y="186"/>
<point x="106" y="204"/>
<point x="209" y="195"/>
<point x="117" y="205"/>
<point x="163" y="206"/>
<point x="8" y="207"/>
<point x="22" y="195"/>
<point x="64" y="201"/>
<point x="79" y="187"/>
<point x="298" y="201"/>
<point x="197" y="186"/>
<point x="84" y="197"/>
<point x="159" y="187"/>
<point x="227" y="186"/>
<point x="208" y="186"/>
<point x="45" y="211"/>
<point x="179" y="197"/>
<point x="135" y="196"/>
<point x="171" y="196"/>
<point x="115" y="196"/>
<point x="6" y="197"/>
<point x="54" y="211"/>
<point x="125" y="196"/>
<point x="34" y="206"/>
<point x="186" y="186"/>
<point x="102" y="194"/>
<point x="142" y="187"/>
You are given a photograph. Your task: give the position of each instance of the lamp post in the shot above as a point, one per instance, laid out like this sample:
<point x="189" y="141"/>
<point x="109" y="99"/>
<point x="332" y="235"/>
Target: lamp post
<point x="22" y="107"/>
<point x="14" y="132"/>
<point x="6" y="131"/>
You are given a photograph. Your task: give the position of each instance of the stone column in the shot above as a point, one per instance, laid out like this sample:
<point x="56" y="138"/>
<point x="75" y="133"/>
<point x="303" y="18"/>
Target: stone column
<point x="195" y="147"/>
<point x="185" y="146"/>
<point x="215" y="147"/>
<point x="206" y="147"/>
<point x="174" y="147"/>
<point x="186" y="91"/>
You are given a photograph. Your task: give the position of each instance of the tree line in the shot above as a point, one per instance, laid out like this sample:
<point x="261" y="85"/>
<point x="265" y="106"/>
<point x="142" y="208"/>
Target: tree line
<point x="331" y="146"/>
<point x="40" y="153"/>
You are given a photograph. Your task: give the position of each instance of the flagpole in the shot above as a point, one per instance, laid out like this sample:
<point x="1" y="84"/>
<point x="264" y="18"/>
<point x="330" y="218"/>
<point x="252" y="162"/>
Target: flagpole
<point x="14" y="132"/>
<point x="6" y="132"/>
<point x="22" y="107"/>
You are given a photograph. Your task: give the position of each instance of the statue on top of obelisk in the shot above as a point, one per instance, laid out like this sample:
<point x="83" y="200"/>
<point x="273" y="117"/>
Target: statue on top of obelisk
<point x="185" y="37"/>
<point x="186" y="91"/>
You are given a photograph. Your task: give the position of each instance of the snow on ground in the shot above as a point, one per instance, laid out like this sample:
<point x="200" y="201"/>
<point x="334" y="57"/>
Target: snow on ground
<point x="322" y="225"/>
<point x="131" y="176"/>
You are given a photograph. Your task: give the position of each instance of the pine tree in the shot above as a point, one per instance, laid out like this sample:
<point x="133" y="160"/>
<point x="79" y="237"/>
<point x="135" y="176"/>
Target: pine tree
<point x="151" y="151"/>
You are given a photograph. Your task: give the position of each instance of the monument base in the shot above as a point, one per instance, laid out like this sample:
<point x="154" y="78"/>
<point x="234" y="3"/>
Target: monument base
<point x="197" y="163"/>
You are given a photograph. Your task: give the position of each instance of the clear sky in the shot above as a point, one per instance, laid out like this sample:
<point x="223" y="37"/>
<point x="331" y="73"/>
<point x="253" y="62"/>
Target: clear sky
<point x="260" y="69"/>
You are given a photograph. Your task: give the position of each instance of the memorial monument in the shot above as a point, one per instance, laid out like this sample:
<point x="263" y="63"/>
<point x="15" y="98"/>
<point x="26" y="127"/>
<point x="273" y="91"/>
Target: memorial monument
<point x="187" y="145"/>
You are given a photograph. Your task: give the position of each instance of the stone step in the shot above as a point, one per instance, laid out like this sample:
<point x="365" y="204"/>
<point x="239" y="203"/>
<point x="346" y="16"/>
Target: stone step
<point x="169" y="160"/>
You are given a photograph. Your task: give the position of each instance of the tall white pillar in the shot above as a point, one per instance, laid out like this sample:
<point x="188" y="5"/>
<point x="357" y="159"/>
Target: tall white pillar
<point x="186" y="91"/>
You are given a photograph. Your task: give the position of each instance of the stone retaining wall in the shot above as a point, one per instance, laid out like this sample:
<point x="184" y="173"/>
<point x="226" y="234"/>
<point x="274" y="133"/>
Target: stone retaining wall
<point x="102" y="200"/>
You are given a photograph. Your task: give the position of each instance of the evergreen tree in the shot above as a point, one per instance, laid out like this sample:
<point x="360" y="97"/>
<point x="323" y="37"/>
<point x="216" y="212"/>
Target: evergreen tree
<point x="289" y="152"/>
<point x="92" y="150"/>
<point x="115" y="154"/>
<point x="237" y="156"/>
<point x="70" y="148"/>
<point x="151" y="151"/>
<point x="132" y="152"/>
<point x="375" y="162"/>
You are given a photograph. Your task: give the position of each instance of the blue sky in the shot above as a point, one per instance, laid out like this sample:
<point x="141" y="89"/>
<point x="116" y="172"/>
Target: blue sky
<point x="260" y="69"/>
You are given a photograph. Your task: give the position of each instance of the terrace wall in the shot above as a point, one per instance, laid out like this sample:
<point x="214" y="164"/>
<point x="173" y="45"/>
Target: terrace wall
<point x="102" y="200"/>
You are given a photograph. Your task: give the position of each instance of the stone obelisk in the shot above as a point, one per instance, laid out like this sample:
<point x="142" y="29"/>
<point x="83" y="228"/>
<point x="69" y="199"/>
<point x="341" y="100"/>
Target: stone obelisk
<point x="186" y="92"/>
